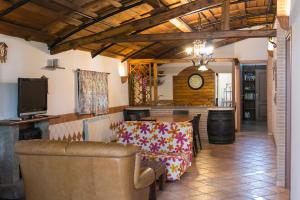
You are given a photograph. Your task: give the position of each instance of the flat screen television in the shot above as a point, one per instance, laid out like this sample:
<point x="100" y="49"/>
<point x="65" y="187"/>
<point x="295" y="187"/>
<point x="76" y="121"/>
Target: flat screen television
<point x="32" y="96"/>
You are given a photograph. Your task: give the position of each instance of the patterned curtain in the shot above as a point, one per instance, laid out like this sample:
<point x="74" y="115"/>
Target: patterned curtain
<point x="92" y="92"/>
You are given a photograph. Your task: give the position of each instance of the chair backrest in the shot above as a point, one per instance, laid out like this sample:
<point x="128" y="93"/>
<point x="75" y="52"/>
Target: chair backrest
<point x="156" y="136"/>
<point x="196" y="122"/>
<point x="180" y="112"/>
<point x="79" y="171"/>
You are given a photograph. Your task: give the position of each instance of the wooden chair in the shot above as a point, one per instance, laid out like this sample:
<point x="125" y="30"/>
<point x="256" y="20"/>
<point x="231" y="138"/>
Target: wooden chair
<point x="196" y="133"/>
<point x="133" y="117"/>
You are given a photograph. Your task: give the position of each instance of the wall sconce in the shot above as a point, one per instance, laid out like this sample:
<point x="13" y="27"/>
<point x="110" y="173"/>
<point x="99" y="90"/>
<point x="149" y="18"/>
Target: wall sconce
<point x="271" y="46"/>
<point x="123" y="72"/>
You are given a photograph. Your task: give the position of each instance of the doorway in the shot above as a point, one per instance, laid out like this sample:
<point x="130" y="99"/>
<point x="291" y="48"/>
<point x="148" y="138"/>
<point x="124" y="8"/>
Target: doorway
<point x="254" y="98"/>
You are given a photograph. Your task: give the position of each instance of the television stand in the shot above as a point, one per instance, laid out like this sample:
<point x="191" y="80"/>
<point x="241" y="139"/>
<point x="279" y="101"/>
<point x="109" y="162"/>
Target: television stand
<point x="11" y="184"/>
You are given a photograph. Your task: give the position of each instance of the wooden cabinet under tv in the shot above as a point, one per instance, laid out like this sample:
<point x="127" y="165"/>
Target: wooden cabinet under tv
<point x="11" y="131"/>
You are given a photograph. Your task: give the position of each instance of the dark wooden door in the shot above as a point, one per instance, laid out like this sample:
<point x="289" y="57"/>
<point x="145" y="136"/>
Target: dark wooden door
<point x="261" y="94"/>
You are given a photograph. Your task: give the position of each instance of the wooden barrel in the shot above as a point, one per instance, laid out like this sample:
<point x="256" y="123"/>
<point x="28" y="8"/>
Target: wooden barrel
<point x="221" y="126"/>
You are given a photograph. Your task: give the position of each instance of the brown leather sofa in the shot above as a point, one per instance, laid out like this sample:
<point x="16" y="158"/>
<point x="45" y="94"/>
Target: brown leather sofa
<point x="56" y="170"/>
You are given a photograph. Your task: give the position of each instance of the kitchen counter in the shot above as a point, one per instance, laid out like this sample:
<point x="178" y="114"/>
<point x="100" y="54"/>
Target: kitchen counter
<point x="177" y="107"/>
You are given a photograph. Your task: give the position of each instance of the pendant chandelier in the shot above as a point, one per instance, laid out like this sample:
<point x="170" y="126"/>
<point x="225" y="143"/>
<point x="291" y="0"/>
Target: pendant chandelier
<point x="201" y="54"/>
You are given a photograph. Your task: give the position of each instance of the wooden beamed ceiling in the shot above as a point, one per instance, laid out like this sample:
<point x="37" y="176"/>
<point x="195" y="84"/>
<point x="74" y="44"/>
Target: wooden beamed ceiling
<point x="127" y="29"/>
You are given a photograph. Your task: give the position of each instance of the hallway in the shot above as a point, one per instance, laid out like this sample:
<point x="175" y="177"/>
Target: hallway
<point x="242" y="171"/>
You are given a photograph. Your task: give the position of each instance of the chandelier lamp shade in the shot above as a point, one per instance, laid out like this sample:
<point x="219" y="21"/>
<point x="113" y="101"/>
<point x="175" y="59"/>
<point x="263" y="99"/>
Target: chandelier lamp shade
<point x="201" y="53"/>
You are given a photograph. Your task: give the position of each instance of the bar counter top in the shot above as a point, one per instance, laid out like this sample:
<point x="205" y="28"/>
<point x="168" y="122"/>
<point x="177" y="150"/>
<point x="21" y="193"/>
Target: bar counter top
<point x="178" y="107"/>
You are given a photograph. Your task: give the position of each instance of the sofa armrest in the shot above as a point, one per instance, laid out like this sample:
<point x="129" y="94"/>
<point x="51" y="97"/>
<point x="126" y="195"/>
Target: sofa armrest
<point x="146" y="178"/>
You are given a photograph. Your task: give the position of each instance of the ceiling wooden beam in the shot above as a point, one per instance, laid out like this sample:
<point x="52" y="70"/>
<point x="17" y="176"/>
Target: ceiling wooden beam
<point x="20" y="28"/>
<point x="208" y="20"/>
<point x="179" y="49"/>
<point x="114" y="3"/>
<point x="136" y="25"/>
<point x="239" y="17"/>
<point x="204" y="35"/>
<point x="164" y="61"/>
<point x="13" y="7"/>
<point x="269" y="9"/>
<point x="154" y="3"/>
<point x="90" y="23"/>
<point x="139" y="51"/>
<point x="62" y="15"/>
<point x="100" y="50"/>
<point x="181" y="25"/>
<point x="225" y="25"/>
<point x="179" y="44"/>
<point x="76" y="8"/>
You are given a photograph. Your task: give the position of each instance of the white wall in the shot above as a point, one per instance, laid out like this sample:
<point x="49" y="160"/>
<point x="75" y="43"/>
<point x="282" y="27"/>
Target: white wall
<point x="224" y="79"/>
<point x="295" y="22"/>
<point x="26" y="59"/>
<point x="251" y="49"/>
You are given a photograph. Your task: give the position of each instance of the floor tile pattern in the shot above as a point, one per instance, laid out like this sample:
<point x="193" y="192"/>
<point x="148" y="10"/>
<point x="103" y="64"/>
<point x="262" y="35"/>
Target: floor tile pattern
<point x="241" y="171"/>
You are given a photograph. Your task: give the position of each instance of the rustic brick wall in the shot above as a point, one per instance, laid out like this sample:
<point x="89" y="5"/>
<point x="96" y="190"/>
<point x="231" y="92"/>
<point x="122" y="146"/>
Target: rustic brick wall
<point x="279" y="109"/>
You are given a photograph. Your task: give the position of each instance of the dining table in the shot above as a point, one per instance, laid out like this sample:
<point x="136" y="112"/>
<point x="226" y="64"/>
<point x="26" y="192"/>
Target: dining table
<point x="169" y="118"/>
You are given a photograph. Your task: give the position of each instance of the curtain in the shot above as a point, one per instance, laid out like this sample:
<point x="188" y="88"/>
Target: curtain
<point x="92" y="92"/>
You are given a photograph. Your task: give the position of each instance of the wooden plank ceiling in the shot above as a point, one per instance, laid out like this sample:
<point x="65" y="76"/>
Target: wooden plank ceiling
<point x="92" y="25"/>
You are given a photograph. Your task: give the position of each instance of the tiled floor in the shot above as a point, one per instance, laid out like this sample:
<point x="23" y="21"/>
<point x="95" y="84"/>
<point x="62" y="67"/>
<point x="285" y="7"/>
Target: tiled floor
<point x="241" y="171"/>
<point x="254" y="126"/>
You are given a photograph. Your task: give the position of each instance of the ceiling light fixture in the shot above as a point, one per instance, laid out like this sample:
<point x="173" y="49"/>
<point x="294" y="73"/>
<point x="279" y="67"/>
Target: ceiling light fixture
<point x="201" y="54"/>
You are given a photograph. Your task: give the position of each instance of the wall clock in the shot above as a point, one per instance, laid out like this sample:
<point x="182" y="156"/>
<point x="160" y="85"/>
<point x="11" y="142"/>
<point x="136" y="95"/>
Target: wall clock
<point x="195" y="81"/>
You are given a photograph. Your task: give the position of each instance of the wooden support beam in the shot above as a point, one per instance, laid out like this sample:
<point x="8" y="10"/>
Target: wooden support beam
<point x="243" y="17"/>
<point x="13" y="7"/>
<point x="154" y="3"/>
<point x="179" y="48"/>
<point x="165" y="61"/>
<point x="181" y="25"/>
<point x="100" y="50"/>
<point x="284" y="22"/>
<point x="172" y="50"/>
<point x="208" y="20"/>
<point x="237" y="86"/>
<point x="20" y="28"/>
<point x="204" y="35"/>
<point x="114" y="3"/>
<point x="225" y="16"/>
<point x="139" y="51"/>
<point x="76" y="8"/>
<point x="155" y="84"/>
<point x="136" y="25"/>
<point x="269" y="9"/>
<point x="90" y="23"/>
<point x="62" y="15"/>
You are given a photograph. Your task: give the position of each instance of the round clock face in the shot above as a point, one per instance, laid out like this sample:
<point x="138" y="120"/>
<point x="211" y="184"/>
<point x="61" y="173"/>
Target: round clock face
<point x="195" y="81"/>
